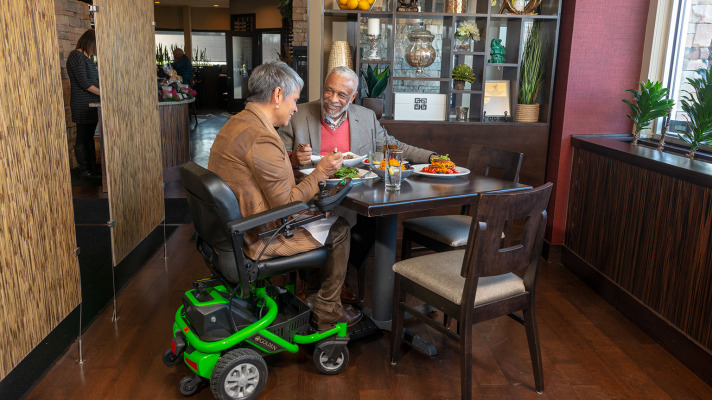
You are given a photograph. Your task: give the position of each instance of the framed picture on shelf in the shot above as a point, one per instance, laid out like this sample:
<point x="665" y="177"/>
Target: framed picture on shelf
<point x="496" y="99"/>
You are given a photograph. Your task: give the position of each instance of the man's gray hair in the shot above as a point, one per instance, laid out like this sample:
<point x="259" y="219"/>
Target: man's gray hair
<point x="266" y="77"/>
<point x="346" y="72"/>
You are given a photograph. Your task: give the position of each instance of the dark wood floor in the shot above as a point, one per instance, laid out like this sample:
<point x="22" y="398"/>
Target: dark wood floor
<point x="589" y="351"/>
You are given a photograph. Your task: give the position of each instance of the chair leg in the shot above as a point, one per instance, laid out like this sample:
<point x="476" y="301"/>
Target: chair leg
<point x="406" y="245"/>
<point x="534" y="349"/>
<point x="465" y="361"/>
<point x="397" y="321"/>
<point x="446" y="320"/>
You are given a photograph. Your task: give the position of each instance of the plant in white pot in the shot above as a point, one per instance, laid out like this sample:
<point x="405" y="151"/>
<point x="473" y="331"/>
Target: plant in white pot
<point x="376" y="83"/>
<point x="648" y="104"/>
<point x="698" y="106"/>
<point x="531" y="78"/>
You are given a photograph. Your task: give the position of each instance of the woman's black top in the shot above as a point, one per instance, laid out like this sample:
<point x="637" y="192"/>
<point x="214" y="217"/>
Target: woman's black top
<point x="82" y="74"/>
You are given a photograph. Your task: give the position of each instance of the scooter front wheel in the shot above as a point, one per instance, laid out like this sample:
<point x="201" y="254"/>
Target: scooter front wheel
<point x="239" y="374"/>
<point x="331" y="358"/>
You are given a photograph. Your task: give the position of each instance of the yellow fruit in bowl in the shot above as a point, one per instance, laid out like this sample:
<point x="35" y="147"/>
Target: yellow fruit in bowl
<point x="343" y="7"/>
<point x="364" y="5"/>
<point x="351" y="4"/>
<point x="342" y="2"/>
<point x="371" y="2"/>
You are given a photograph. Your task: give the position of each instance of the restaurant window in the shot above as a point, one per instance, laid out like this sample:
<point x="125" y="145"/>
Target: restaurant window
<point x="170" y="40"/>
<point x="209" y="48"/>
<point x="689" y="45"/>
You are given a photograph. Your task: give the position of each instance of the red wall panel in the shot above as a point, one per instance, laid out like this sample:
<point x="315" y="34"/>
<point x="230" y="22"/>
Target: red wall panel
<point x="600" y="55"/>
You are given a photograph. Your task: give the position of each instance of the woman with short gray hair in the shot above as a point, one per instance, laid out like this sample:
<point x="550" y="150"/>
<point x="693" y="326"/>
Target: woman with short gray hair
<point x="266" y="77"/>
<point x="250" y="156"/>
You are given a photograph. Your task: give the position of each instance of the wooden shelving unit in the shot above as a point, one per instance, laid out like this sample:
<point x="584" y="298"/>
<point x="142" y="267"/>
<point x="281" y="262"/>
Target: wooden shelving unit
<point x="507" y="27"/>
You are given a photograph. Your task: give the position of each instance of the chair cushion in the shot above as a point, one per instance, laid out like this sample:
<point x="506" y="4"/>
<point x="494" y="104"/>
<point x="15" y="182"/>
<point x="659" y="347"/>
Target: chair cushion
<point x="440" y="272"/>
<point x="452" y="230"/>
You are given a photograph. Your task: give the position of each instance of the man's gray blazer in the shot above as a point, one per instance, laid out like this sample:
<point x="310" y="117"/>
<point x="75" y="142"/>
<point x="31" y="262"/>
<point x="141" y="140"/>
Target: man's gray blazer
<point x="305" y="128"/>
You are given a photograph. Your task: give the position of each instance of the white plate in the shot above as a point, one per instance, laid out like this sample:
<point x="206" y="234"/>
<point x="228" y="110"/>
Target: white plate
<point x="460" y="172"/>
<point x="363" y="174"/>
<point x="353" y="162"/>
<point x="357" y="160"/>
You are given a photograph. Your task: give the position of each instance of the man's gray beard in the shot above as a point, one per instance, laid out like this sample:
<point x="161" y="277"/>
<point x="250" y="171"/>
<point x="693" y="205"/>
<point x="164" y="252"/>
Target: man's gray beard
<point x="343" y="110"/>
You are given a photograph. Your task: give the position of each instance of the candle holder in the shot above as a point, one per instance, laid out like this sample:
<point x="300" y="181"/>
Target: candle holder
<point x="373" y="53"/>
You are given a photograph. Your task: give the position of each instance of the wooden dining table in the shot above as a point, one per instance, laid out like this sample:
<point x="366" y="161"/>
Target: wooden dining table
<point x="417" y="193"/>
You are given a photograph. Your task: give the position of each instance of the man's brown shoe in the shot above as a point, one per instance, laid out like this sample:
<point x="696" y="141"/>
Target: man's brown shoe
<point x="348" y="314"/>
<point x="347" y="295"/>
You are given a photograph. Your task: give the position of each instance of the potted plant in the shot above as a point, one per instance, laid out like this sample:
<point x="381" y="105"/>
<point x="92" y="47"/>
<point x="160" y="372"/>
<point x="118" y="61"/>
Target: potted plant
<point x="460" y="74"/>
<point x="698" y="106"/>
<point x="376" y="83"/>
<point x="466" y="32"/>
<point x="531" y="78"/>
<point x="650" y="103"/>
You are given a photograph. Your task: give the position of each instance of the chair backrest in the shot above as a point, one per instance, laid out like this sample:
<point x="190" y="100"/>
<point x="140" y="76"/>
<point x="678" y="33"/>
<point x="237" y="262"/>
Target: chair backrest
<point x="482" y="158"/>
<point x="212" y="205"/>
<point x="485" y="254"/>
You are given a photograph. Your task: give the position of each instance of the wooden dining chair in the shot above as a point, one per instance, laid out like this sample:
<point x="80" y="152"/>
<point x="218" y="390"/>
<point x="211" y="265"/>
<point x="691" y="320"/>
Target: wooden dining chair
<point x="478" y="283"/>
<point x="449" y="232"/>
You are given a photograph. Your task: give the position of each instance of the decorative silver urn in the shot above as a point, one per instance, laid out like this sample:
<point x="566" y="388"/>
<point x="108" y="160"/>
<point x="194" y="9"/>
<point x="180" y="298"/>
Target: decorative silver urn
<point x="420" y="53"/>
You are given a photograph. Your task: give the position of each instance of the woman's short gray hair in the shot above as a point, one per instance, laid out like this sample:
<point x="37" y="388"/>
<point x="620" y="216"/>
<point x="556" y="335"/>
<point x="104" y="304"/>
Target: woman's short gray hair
<point x="266" y="77"/>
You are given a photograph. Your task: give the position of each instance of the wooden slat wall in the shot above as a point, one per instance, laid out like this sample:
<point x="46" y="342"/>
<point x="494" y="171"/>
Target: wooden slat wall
<point x="648" y="232"/>
<point x="39" y="273"/>
<point x="175" y="134"/>
<point x="127" y="77"/>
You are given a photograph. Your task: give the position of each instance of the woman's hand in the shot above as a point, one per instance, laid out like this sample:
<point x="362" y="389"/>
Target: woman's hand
<point x="330" y="163"/>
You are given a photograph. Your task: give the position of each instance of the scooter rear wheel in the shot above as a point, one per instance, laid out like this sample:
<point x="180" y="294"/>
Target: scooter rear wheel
<point x="189" y="385"/>
<point x="170" y="358"/>
<point x="239" y="374"/>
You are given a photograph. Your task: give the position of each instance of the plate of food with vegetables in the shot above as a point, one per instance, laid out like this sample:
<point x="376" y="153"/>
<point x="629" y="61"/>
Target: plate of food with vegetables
<point x="440" y="167"/>
<point x="357" y="175"/>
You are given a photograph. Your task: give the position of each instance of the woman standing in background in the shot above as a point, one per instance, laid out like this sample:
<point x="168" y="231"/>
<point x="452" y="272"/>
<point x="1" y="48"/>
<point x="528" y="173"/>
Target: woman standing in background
<point x="84" y="79"/>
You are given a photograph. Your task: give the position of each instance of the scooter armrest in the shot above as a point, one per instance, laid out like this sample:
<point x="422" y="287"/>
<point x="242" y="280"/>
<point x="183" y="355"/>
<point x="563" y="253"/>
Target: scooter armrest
<point x="240" y="226"/>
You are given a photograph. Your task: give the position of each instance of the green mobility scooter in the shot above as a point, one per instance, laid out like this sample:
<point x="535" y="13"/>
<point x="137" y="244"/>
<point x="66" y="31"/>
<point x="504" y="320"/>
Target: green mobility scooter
<point x="229" y="322"/>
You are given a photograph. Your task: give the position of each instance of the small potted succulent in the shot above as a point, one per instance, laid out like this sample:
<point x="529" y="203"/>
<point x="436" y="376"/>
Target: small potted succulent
<point x="460" y="74"/>
<point x="466" y="33"/>
<point x="376" y="84"/>
<point x="648" y="104"/>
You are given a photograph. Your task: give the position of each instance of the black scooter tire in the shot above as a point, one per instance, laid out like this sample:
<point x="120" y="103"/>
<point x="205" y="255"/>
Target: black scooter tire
<point x="239" y="374"/>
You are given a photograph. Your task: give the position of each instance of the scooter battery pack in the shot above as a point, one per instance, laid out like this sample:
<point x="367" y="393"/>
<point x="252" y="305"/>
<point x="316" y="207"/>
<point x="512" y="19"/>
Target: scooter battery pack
<point x="211" y="321"/>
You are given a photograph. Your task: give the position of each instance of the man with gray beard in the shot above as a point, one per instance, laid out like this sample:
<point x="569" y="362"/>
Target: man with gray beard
<point x="334" y="123"/>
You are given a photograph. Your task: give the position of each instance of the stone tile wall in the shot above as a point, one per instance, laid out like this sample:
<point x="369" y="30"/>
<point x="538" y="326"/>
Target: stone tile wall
<point x="300" y="23"/>
<point x="72" y="21"/>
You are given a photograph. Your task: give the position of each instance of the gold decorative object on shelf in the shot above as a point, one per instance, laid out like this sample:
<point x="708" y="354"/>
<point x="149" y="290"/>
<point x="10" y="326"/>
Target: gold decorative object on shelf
<point x="527" y="10"/>
<point x="420" y="53"/>
<point x="455" y="6"/>
<point x="340" y="55"/>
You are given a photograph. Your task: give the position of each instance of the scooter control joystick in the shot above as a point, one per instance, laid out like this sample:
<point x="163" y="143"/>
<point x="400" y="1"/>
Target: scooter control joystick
<point x="323" y="193"/>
